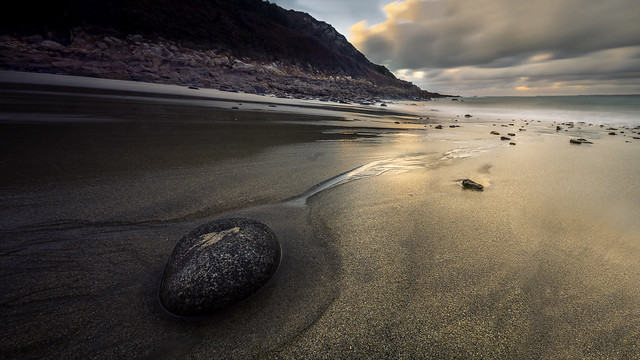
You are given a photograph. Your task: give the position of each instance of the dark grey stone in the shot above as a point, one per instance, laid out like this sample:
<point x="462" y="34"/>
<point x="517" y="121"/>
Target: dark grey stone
<point x="470" y="184"/>
<point x="580" y="141"/>
<point x="217" y="265"/>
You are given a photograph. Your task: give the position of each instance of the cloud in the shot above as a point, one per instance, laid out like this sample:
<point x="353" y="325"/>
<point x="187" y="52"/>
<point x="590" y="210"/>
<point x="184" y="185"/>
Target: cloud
<point x="339" y="13"/>
<point x="507" y="40"/>
<point x="605" y="72"/>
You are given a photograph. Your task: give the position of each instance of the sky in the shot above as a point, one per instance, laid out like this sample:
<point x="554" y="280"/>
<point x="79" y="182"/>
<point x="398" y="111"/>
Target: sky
<point x="495" y="47"/>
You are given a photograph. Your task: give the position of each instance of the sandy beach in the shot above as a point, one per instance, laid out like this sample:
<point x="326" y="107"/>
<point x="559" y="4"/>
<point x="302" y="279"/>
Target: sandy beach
<point x="385" y="255"/>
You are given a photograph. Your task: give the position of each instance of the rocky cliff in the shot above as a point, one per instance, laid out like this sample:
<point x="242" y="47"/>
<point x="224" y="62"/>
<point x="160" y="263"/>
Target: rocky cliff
<point x="241" y="45"/>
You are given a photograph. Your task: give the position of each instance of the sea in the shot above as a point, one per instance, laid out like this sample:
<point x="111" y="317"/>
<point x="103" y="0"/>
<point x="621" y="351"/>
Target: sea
<point x="618" y="110"/>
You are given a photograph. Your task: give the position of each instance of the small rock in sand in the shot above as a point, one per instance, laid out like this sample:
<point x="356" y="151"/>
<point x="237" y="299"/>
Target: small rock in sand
<point x="470" y="184"/>
<point x="505" y="138"/>
<point x="580" y="141"/>
<point x="439" y="127"/>
<point x="494" y="133"/>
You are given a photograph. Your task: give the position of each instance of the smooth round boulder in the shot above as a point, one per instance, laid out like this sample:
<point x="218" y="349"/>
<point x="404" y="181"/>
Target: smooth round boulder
<point x="218" y="265"/>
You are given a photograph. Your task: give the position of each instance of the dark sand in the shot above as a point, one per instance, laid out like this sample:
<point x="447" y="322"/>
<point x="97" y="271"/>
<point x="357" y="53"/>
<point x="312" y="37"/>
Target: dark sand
<point x="396" y="260"/>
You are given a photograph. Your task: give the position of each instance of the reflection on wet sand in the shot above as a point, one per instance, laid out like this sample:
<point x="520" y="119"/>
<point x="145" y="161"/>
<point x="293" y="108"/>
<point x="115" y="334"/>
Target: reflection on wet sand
<point x="384" y="254"/>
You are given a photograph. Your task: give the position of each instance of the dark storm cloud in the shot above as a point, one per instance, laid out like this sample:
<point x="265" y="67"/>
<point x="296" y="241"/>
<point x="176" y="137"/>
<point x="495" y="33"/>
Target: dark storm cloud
<point x="445" y="33"/>
<point x="505" y="39"/>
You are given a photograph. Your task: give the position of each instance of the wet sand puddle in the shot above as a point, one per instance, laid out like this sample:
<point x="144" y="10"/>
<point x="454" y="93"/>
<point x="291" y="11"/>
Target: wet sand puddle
<point x="393" y="166"/>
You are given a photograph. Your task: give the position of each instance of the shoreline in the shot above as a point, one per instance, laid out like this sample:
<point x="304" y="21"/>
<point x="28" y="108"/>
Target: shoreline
<point x="55" y="83"/>
<point x="390" y="259"/>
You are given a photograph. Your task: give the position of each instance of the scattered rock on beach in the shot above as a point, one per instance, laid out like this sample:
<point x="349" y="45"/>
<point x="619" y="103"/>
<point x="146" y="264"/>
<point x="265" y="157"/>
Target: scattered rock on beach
<point x="467" y="115"/>
<point x="470" y="184"/>
<point x="580" y="141"/>
<point x="512" y="143"/>
<point x="439" y="127"/>
<point x="612" y="133"/>
<point x="217" y="265"/>
<point x="511" y="134"/>
<point x="505" y="138"/>
<point x="494" y="133"/>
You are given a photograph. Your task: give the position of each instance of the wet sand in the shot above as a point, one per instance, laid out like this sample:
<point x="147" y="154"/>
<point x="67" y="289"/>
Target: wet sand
<point x="393" y="259"/>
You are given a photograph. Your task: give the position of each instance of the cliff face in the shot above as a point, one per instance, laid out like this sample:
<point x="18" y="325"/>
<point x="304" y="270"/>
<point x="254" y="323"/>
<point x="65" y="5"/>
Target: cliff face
<point x="246" y="45"/>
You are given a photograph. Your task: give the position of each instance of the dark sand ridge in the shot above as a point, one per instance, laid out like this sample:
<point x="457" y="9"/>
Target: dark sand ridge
<point x="542" y="264"/>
